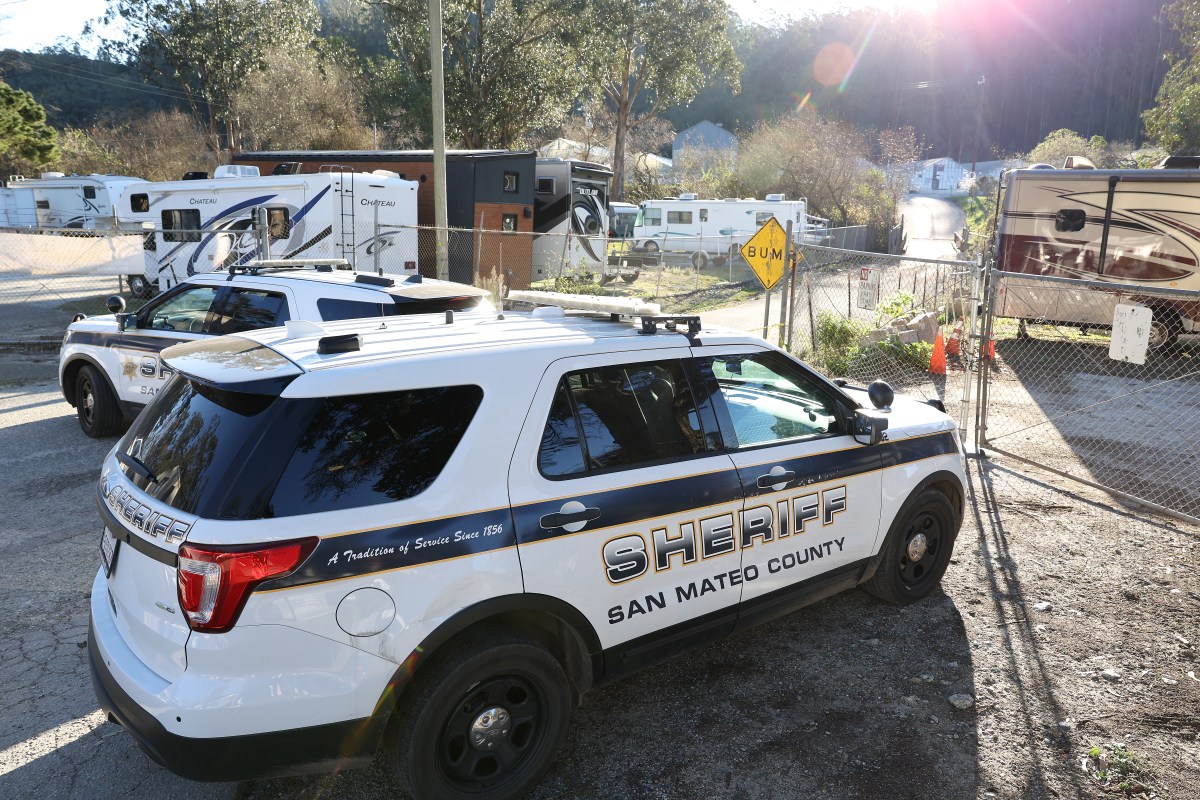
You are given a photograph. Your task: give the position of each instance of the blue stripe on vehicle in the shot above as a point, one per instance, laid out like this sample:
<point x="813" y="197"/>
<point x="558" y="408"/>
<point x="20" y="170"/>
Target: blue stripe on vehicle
<point x="253" y="201"/>
<point x="308" y="206"/>
<point x="150" y="344"/>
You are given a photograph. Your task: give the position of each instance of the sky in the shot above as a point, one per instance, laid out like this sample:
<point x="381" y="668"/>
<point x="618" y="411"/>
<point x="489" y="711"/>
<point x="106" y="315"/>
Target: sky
<point x="34" y="24"/>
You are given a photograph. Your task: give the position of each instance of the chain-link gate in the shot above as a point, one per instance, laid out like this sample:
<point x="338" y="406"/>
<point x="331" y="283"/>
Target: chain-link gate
<point x="1051" y="395"/>
<point x="866" y="316"/>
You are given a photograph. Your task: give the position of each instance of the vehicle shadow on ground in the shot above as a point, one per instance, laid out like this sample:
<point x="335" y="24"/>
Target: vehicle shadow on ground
<point x="1039" y="709"/>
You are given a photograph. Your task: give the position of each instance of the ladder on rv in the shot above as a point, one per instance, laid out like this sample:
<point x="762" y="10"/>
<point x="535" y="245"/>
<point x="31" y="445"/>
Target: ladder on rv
<point x="343" y="187"/>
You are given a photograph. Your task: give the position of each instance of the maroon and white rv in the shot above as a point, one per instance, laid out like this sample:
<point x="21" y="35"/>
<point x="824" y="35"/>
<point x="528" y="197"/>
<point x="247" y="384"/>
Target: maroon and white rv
<point x="1117" y="235"/>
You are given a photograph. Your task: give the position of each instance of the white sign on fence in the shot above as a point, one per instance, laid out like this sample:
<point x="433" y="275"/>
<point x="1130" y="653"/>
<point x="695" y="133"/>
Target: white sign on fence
<point x="868" y="288"/>
<point x="50" y="254"/>
<point x="1130" y="333"/>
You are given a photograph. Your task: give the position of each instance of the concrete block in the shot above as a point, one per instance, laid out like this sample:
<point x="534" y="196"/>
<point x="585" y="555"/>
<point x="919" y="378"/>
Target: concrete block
<point x="925" y="325"/>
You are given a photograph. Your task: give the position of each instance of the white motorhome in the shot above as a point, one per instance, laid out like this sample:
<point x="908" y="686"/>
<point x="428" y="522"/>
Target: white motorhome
<point x="1115" y="232"/>
<point x="712" y="229"/>
<point x="207" y="225"/>
<point x="58" y="201"/>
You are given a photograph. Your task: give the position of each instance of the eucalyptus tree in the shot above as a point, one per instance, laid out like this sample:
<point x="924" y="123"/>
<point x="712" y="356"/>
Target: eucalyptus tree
<point x="650" y="55"/>
<point x="511" y="66"/>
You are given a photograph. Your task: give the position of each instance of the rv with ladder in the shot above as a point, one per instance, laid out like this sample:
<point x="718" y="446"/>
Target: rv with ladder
<point x="365" y="219"/>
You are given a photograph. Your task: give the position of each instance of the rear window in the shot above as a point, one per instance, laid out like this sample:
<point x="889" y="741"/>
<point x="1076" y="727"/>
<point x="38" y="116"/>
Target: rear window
<point x="235" y="455"/>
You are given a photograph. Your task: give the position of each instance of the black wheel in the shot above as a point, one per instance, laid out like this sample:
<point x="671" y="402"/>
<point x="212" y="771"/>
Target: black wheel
<point x="630" y="278"/>
<point x="718" y="261"/>
<point x="916" y="551"/>
<point x="1165" y="328"/>
<point x="651" y="247"/>
<point x="139" y="287"/>
<point x="95" y="405"/>
<point x="699" y="259"/>
<point x="483" y="720"/>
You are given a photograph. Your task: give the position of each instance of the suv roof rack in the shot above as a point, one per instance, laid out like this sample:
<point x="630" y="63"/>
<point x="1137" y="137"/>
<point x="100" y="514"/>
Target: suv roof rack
<point x="650" y="314"/>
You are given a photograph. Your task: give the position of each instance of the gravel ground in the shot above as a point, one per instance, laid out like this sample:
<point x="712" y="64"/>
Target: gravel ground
<point x="1070" y="622"/>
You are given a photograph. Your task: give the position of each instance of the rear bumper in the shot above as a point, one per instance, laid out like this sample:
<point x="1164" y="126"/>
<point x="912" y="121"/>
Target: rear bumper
<point x="321" y="748"/>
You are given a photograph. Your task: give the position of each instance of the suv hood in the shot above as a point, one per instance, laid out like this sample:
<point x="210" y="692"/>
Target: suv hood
<point x="908" y="416"/>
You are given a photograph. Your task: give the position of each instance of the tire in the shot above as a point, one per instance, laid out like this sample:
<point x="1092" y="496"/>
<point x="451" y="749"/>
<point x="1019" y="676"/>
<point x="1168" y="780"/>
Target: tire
<point x="718" y="261"/>
<point x="1165" y="328"/>
<point x="902" y="579"/>
<point x="630" y="278"/>
<point x="651" y="247"/>
<point x="699" y="259"/>
<point x="485" y="678"/>
<point x="605" y="280"/>
<point x="139" y="287"/>
<point x="97" y="409"/>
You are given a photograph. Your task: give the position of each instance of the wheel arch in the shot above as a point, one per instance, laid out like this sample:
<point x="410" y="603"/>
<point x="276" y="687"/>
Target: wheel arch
<point x="943" y="481"/>
<point x="70" y="376"/>
<point x="555" y="624"/>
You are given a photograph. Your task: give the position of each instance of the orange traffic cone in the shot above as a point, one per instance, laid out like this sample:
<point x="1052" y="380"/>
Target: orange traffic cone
<point x="987" y="348"/>
<point x="937" y="362"/>
<point x="952" y="344"/>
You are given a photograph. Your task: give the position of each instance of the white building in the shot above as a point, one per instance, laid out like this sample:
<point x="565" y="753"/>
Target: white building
<point x="938" y="175"/>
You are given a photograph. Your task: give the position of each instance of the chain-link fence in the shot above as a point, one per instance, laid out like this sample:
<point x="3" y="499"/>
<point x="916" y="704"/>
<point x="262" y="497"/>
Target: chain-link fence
<point x="866" y="316"/>
<point x="1059" y="393"/>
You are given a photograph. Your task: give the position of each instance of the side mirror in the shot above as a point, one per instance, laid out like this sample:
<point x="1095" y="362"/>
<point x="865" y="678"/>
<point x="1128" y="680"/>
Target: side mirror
<point x="869" y="424"/>
<point x="116" y="304"/>
<point x="126" y="321"/>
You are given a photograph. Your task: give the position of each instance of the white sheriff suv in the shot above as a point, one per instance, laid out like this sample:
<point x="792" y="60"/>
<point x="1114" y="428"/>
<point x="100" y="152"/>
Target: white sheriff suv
<point x="108" y="366"/>
<point x="426" y="539"/>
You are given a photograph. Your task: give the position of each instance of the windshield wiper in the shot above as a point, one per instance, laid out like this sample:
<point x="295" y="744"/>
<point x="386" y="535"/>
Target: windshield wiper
<point x="135" y="464"/>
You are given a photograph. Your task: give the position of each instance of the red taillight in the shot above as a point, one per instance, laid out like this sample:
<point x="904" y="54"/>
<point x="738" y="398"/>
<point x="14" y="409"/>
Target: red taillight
<point x="215" y="582"/>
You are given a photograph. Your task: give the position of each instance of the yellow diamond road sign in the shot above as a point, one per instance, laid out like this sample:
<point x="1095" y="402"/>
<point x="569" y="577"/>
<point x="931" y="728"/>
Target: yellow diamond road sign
<point x="766" y="252"/>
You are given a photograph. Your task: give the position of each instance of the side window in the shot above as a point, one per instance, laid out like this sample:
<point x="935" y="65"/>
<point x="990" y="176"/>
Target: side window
<point x="139" y="202"/>
<point x="181" y="225"/>
<point x="761" y="217"/>
<point x="704" y="215"/>
<point x="279" y="223"/>
<point x="652" y="216"/>
<point x="331" y="308"/>
<point x="510" y="181"/>
<point x="508" y="222"/>
<point x="545" y="185"/>
<point x="89" y="193"/>
<point x="628" y="415"/>
<point x="361" y="450"/>
<point x="679" y="218"/>
<point x="186" y="311"/>
<point x="251" y="309"/>
<point x="1069" y="220"/>
<point x="767" y="399"/>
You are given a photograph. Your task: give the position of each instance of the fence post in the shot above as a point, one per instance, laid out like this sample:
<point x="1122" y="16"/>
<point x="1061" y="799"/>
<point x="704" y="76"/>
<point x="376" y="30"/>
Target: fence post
<point x="375" y="244"/>
<point x="785" y="305"/>
<point x="812" y="325"/>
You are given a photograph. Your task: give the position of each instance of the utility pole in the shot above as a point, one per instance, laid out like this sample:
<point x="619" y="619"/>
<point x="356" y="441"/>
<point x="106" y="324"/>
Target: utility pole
<point x="440" y="216"/>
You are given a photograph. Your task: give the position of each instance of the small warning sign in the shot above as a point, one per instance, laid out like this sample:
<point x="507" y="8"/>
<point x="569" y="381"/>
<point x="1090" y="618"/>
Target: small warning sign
<point x="868" y="287"/>
<point x="766" y="252"/>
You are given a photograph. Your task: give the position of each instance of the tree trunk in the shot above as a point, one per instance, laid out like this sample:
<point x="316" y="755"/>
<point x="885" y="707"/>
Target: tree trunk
<point x="618" y="165"/>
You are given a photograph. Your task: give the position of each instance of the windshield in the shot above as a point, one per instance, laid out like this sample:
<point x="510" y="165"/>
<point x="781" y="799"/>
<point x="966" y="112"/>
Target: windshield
<point x="622" y="223"/>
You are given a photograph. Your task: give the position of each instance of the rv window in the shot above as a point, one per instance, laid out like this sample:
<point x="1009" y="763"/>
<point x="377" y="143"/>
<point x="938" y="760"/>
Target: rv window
<point x="652" y="216"/>
<point x="279" y="223"/>
<point x="545" y="185"/>
<point x="1068" y="220"/>
<point x="89" y="193"/>
<point x="43" y="204"/>
<point x="704" y="215"/>
<point x="761" y="217"/>
<point x="139" y="202"/>
<point x="508" y="222"/>
<point x="510" y="181"/>
<point x="181" y="225"/>
<point x="679" y="218"/>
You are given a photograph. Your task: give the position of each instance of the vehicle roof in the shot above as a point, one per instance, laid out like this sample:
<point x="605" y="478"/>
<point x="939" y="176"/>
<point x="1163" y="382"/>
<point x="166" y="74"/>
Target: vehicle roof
<point x="425" y="288"/>
<point x="263" y="181"/>
<point x="402" y="341"/>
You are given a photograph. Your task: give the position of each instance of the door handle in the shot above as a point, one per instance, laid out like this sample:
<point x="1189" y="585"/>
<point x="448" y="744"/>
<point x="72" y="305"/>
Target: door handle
<point x="572" y="516"/>
<point x="776" y="476"/>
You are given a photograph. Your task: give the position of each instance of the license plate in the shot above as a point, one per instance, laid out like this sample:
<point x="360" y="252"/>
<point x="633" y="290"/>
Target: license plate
<point x="108" y="551"/>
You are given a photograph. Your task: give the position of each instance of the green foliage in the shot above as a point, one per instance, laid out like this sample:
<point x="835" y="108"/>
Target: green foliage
<point x="1061" y="143"/>
<point x="207" y="50"/>
<point x="893" y="306"/>
<point x="510" y="66"/>
<point x="1116" y="767"/>
<point x="837" y="342"/>
<point x="649" y="55"/>
<point x="159" y="146"/>
<point x="839" y="351"/>
<point x="25" y="138"/>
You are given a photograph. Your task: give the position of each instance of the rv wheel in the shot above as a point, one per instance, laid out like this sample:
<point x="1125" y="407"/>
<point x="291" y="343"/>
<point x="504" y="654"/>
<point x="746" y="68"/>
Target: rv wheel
<point x="630" y="278"/>
<point x="699" y="259"/>
<point x="651" y="247"/>
<point x="1164" y="328"/>
<point x="139" y="287"/>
